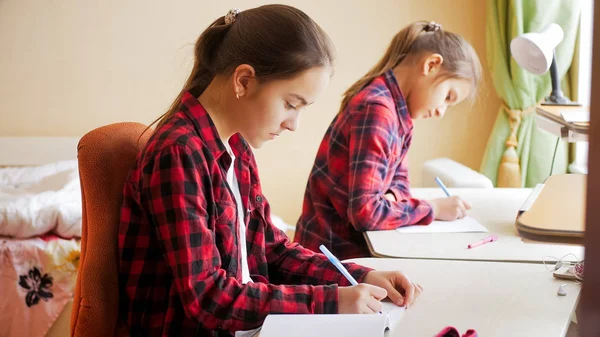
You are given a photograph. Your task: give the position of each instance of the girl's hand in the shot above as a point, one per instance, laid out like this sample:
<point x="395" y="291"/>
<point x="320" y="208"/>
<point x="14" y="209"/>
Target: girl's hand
<point x="360" y="299"/>
<point x="449" y="209"/>
<point x="400" y="289"/>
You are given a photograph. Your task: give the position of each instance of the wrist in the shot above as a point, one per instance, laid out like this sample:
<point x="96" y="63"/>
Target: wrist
<point x="368" y="277"/>
<point x="434" y="208"/>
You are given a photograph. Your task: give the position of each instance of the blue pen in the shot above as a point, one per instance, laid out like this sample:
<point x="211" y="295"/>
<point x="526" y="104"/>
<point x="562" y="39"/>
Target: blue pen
<point x="334" y="260"/>
<point x="441" y="184"/>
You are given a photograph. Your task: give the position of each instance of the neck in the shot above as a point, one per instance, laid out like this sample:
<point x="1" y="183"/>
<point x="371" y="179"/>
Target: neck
<point x="405" y="77"/>
<point x="214" y="101"/>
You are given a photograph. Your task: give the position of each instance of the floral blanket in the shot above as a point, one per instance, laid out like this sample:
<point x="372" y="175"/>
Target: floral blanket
<point x="37" y="278"/>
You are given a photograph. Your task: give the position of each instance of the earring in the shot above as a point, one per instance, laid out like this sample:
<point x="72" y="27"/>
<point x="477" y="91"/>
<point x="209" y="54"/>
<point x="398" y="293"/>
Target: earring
<point x="237" y="95"/>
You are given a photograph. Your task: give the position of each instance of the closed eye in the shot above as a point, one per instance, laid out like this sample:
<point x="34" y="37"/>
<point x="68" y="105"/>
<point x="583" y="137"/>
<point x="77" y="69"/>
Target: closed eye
<point x="290" y="107"/>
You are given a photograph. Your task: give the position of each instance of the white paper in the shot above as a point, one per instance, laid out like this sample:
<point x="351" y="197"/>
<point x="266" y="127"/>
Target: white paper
<point x="247" y="333"/>
<point x="575" y="116"/>
<point x="324" y="325"/>
<point x="332" y="325"/>
<point x="393" y="314"/>
<point x="464" y="225"/>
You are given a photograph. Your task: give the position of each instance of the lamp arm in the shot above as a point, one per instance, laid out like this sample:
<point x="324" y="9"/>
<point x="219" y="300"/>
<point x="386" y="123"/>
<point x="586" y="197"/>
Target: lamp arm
<point x="556" y="90"/>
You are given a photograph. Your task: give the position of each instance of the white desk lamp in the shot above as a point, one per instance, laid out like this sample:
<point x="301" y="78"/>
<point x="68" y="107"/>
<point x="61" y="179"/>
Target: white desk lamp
<point x="546" y="216"/>
<point x="535" y="53"/>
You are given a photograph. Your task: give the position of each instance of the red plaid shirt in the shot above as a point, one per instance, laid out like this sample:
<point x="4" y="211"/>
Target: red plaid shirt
<point x="180" y="269"/>
<point x="361" y="158"/>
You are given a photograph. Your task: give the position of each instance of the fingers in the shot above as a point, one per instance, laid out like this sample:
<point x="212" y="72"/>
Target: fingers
<point x="467" y="204"/>
<point x="377" y="292"/>
<point x="372" y="306"/>
<point x="458" y="212"/>
<point x="372" y="299"/>
<point x="394" y="295"/>
<point x="408" y="289"/>
<point x="419" y="286"/>
<point x="418" y="290"/>
<point x="462" y="212"/>
<point x="461" y="208"/>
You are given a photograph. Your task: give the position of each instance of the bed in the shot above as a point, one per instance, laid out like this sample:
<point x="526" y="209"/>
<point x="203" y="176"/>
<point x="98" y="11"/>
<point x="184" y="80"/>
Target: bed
<point x="40" y="226"/>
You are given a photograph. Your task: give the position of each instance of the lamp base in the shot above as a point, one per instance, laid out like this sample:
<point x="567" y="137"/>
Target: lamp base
<point x="561" y="104"/>
<point x="553" y="100"/>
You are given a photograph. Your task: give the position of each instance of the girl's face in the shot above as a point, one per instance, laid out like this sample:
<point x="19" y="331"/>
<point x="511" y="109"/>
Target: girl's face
<point x="431" y="95"/>
<point x="265" y="110"/>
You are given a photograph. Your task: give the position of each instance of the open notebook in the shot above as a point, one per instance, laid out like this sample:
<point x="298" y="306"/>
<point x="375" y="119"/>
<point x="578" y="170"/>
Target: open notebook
<point x="331" y="325"/>
<point x="464" y="225"/>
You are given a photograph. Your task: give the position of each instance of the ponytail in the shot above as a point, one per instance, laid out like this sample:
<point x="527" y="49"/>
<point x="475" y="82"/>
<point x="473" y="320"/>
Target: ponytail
<point x="206" y="50"/>
<point x="278" y="41"/>
<point x="460" y="59"/>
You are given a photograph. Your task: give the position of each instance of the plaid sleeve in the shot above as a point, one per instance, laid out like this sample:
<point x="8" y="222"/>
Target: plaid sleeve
<point x="291" y="263"/>
<point x="175" y="198"/>
<point x="400" y="186"/>
<point x="371" y="136"/>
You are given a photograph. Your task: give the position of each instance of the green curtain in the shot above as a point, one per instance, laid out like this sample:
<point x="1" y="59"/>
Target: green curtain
<point x="521" y="90"/>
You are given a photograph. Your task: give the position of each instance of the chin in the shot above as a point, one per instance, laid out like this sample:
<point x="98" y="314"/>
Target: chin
<point x="255" y="144"/>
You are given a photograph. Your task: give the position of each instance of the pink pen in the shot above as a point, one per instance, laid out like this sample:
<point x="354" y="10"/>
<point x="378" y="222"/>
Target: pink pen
<point x="483" y="241"/>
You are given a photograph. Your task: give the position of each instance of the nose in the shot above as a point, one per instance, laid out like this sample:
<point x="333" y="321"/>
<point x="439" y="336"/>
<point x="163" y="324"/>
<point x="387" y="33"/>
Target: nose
<point x="439" y="112"/>
<point x="291" y="123"/>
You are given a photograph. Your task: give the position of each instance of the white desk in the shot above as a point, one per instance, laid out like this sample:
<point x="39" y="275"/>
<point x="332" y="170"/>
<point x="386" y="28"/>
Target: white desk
<point x="496" y="209"/>
<point x="494" y="298"/>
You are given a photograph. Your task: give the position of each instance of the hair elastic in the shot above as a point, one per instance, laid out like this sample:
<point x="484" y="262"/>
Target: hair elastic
<point x="231" y="16"/>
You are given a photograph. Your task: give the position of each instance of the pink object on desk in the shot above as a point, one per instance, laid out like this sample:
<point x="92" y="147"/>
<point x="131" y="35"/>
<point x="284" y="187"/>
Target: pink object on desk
<point x="451" y="331"/>
<point x="490" y="238"/>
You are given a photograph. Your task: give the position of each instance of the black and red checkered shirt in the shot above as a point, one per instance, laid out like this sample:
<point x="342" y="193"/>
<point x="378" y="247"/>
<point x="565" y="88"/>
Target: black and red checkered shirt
<point x="180" y="269"/>
<point x="361" y="158"/>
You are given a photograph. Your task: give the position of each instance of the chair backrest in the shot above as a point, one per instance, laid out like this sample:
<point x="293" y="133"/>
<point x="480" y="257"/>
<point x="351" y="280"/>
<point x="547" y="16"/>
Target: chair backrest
<point x="105" y="156"/>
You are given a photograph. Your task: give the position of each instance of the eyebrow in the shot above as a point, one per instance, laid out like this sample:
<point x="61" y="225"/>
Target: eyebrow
<point x="301" y="99"/>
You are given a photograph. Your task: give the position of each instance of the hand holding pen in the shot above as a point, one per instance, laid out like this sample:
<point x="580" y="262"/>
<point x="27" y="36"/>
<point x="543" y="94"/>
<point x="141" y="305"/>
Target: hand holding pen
<point x="378" y="284"/>
<point x="450" y="208"/>
<point x="360" y="299"/>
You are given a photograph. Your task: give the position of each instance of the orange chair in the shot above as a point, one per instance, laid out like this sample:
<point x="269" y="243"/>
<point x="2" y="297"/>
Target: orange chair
<point x="105" y="156"/>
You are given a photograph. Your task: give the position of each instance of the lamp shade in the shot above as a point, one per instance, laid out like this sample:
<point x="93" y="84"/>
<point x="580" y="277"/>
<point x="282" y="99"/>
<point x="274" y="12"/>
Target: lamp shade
<point x="534" y="51"/>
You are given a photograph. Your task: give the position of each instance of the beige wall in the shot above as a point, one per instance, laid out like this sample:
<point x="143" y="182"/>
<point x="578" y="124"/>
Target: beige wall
<point x="68" y="66"/>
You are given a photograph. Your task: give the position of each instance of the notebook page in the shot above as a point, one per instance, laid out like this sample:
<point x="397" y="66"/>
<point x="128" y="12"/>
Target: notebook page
<point x="324" y="325"/>
<point x="393" y="314"/>
<point x="464" y="225"/>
